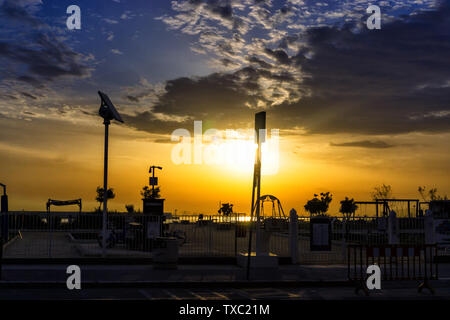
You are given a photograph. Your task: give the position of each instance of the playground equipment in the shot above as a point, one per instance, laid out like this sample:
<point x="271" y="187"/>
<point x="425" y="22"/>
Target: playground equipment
<point x="52" y="202"/>
<point x="384" y="206"/>
<point x="277" y="220"/>
<point x="276" y="206"/>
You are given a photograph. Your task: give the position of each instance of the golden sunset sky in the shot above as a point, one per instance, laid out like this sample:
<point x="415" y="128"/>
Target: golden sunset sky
<point x="356" y="108"/>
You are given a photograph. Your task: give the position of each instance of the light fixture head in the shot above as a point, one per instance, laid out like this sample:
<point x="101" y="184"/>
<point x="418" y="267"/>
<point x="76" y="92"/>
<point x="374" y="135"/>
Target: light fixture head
<point x="260" y="127"/>
<point x="107" y="110"/>
<point x="154" y="167"/>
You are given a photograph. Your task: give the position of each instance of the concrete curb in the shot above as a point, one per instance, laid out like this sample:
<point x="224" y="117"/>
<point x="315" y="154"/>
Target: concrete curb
<point x="178" y="284"/>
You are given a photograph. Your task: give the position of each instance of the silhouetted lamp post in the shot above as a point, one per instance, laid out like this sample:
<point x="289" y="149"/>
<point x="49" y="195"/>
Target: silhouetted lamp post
<point x="108" y="112"/>
<point x="4" y="224"/>
<point x="4" y="211"/>
<point x="260" y="130"/>
<point x="153" y="180"/>
<point x="4" y="201"/>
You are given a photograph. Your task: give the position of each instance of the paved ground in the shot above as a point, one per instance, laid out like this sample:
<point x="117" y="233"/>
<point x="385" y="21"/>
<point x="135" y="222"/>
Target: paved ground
<point x="143" y="282"/>
<point x="202" y="241"/>
<point x="408" y="292"/>
<point x="129" y="273"/>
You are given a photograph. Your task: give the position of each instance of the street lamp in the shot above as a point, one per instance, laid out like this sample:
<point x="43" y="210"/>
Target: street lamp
<point x="4" y="201"/>
<point x="153" y="180"/>
<point x="4" y="224"/>
<point x="108" y="112"/>
<point x="260" y="130"/>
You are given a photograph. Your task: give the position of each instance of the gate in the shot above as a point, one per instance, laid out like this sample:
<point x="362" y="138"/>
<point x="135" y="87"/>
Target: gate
<point x="396" y="262"/>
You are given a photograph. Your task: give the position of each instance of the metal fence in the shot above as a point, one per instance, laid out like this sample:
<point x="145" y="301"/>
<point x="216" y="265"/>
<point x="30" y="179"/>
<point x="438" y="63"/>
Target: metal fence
<point x="74" y="235"/>
<point x="395" y="262"/>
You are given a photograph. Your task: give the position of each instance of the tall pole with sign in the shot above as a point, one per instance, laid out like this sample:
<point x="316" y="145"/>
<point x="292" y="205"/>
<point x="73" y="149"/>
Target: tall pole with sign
<point x="260" y="128"/>
<point x="4" y="224"/>
<point x="153" y="180"/>
<point x="108" y="112"/>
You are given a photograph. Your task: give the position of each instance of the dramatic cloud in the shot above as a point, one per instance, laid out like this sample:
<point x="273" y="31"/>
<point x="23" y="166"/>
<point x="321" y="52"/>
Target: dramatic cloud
<point x="342" y="78"/>
<point x="364" y="144"/>
<point x="35" y="56"/>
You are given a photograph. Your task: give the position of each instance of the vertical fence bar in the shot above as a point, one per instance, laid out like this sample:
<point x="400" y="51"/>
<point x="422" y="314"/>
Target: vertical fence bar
<point x="348" y="262"/>
<point x="50" y="226"/>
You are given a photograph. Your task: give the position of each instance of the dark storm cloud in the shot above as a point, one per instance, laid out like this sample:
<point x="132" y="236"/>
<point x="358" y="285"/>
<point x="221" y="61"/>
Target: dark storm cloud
<point x="364" y="144"/>
<point x="219" y="7"/>
<point x="367" y="82"/>
<point x="146" y="121"/>
<point x="37" y="55"/>
<point x="12" y="10"/>
<point x="279" y="55"/>
<point x="372" y="82"/>
<point x="28" y="95"/>
<point x="133" y="99"/>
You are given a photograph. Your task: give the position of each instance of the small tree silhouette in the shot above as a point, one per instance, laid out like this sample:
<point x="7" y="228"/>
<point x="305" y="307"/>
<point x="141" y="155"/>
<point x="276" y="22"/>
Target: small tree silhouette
<point x="382" y="192"/>
<point x="318" y="206"/>
<point x="226" y="209"/>
<point x="348" y="207"/>
<point x="100" y="193"/>
<point x="149" y="193"/>
<point x="432" y="194"/>
<point x="130" y="208"/>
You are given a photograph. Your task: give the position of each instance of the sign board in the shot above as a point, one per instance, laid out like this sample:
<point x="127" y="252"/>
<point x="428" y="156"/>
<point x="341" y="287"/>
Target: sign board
<point x="442" y="232"/>
<point x="260" y="127"/>
<point x="154" y="206"/>
<point x="153" y="181"/>
<point x="320" y="234"/>
<point x="153" y="229"/>
<point x="382" y="224"/>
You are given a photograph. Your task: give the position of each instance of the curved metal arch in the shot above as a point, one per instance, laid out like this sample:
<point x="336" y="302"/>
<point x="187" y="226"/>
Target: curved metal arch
<point x="275" y="201"/>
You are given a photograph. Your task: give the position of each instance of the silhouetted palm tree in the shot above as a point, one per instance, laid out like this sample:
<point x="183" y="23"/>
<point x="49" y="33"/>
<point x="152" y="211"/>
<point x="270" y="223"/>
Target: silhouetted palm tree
<point x="100" y="192"/>
<point x="149" y="193"/>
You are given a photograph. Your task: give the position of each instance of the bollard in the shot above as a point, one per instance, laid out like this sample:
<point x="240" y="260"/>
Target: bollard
<point x="429" y="228"/>
<point x="293" y="235"/>
<point x="3" y="225"/>
<point x="165" y="253"/>
<point x="393" y="229"/>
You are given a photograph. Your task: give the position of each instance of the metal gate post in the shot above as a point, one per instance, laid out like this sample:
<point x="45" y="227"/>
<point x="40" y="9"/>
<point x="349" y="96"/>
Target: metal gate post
<point x="293" y="235"/>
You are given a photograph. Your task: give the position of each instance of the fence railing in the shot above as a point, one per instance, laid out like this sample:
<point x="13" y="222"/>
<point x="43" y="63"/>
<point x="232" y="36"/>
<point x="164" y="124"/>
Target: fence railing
<point x="73" y="235"/>
<point x="396" y="262"/>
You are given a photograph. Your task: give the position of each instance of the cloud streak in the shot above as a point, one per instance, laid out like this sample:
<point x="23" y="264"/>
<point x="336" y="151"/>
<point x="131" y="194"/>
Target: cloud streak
<point x="330" y="79"/>
<point x="364" y="144"/>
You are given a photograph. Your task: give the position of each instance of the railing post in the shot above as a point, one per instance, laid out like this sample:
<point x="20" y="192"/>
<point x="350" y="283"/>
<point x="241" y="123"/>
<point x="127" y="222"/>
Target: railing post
<point x="344" y="236"/>
<point x="293" y="235"/>
<point x="50" y="238"/>
<point x="393" y="229"/>
<point x="428" y="224"/>
<point x="209" y="226"/>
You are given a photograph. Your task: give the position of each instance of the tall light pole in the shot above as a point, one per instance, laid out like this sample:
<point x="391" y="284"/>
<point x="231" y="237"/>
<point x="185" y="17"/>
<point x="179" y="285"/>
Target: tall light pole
<point x="4" y="201"/>
<point x="4" y="212"/>
<point x="260" y="127"/>
<point x="153" y="181"/>
<point x="4" y="224"/>
<point x="108" y="112"/>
